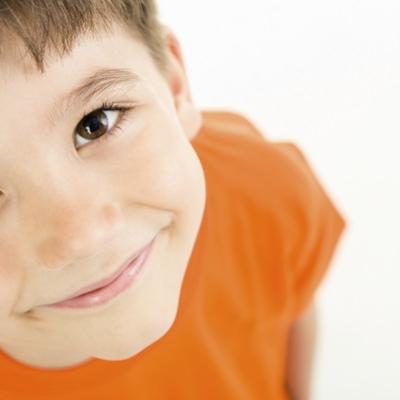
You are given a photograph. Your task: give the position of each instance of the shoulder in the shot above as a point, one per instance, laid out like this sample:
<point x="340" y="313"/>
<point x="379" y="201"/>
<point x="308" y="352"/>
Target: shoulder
<point x="228" y="123"/>
<point x="273" y="200"/>
<point x="274" y="179"/>
<point x="234" y="150"/>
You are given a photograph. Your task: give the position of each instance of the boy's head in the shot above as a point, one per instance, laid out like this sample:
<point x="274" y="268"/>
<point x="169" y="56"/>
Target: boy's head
<point x="79" y="195"/>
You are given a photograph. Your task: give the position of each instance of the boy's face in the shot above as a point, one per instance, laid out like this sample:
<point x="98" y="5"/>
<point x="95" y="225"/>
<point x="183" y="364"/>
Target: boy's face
<point x="74" y="209"/>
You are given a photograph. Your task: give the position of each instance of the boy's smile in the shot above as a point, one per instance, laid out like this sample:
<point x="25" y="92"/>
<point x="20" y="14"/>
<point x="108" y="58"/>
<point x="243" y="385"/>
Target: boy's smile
<point x="77" y="200"/>
<point x="101" y="292"/>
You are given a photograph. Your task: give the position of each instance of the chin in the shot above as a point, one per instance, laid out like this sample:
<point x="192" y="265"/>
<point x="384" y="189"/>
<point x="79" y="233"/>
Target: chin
<point x="121" y="352"/>
<point x="122" y="348"/>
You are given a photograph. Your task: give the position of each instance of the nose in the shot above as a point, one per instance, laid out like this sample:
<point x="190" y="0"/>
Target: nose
<point x="75" y="231"/>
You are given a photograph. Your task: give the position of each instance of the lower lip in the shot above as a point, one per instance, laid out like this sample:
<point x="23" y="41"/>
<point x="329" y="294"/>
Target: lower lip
<point x="113" y="289"/>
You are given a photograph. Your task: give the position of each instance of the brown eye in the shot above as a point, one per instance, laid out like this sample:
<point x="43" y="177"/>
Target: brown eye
<point x="96" y="124"/>
<point x="93" y="125"/>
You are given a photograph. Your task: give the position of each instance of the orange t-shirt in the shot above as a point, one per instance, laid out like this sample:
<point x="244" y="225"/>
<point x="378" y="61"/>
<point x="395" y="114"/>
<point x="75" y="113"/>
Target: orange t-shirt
<point x="268" y="233"/>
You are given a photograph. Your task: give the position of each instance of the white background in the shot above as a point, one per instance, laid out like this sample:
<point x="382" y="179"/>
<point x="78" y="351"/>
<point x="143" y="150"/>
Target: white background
<point x="326" y="75"/>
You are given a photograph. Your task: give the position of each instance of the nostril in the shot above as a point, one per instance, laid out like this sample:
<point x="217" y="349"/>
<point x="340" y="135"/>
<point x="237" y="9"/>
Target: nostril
<point x="3" y="197"/>
<point x="4" y="194"/>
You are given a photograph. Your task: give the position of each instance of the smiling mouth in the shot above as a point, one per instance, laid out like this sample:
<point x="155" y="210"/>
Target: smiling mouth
<point x="104" y="282"/>
<point x="103" y="291"/>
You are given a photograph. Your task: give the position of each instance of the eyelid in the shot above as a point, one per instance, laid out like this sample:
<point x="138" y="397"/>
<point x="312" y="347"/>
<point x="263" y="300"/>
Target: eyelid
<point x="106" y="103"/>
<point x="118" y="124"/>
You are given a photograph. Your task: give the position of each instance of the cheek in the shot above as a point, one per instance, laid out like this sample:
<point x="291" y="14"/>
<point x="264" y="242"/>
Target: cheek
<point x="159" y="170"/>
<point x="10" y="279"/>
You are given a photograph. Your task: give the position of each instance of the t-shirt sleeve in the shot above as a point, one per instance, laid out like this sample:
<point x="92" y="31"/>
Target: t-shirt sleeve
<point x="313" y="225"/>
<point x="296" y="226"/>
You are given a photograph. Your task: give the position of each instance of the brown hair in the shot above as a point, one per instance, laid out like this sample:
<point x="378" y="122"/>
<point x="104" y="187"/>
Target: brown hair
<point x="54" y="25"/>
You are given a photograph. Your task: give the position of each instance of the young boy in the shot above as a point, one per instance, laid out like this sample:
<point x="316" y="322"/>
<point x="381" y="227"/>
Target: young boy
<point x="104" y="159"/>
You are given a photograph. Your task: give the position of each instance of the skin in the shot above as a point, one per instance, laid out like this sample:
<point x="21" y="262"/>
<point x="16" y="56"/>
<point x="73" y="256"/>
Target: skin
<point x="302" y="346"/>
<point x="71" y="216"/>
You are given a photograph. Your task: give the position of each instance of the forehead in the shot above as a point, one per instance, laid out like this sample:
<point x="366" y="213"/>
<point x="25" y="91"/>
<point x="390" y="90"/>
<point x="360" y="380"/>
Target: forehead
<point x="88" y="49"/>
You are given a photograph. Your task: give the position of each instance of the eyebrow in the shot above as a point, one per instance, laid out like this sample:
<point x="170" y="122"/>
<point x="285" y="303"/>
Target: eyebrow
<point x="93" y="85"/>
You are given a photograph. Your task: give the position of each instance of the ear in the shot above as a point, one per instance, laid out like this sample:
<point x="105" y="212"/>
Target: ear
<point x="188" y="114"/>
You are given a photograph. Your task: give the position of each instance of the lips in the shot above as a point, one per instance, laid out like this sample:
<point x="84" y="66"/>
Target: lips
<point x="108" y="280"/>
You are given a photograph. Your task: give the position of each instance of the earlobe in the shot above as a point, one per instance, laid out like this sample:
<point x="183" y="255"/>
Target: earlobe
<point x="190" y="117"/>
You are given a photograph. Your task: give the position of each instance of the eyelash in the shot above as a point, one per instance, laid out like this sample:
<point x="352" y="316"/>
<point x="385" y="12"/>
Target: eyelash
<point x="108" y="106"/>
